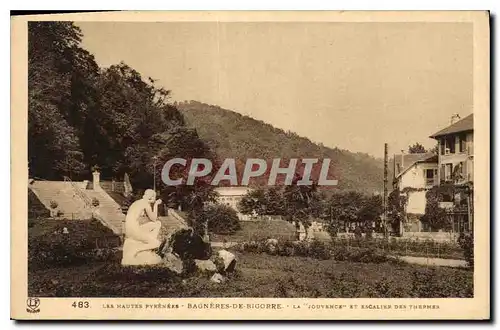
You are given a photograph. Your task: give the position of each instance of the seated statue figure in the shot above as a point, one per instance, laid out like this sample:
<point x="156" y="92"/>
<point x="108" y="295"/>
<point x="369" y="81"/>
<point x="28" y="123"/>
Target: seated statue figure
<point x="141" y="232"/>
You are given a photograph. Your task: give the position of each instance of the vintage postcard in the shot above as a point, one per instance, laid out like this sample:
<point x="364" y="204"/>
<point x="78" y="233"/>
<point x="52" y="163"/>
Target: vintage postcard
<point x="251" y="166"/>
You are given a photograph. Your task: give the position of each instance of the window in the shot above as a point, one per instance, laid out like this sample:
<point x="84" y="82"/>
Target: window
<point x="462" y="142"/>
<point x="442" y="144"/>
<point x="450" y="145"/>
<point x="448" y="168"/>
<point x="429" y="177"/>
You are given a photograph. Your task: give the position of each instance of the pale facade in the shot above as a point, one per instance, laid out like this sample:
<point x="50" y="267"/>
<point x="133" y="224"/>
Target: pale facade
<point x="420" y="176"/>
<point x="459" y="159"/>
<point x="231" y="196"/>
<point x="419" y="173"/>
<point x="456" y="168"/>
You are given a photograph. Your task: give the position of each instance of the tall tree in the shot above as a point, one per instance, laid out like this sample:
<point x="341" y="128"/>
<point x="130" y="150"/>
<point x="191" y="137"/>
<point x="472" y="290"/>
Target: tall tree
<point x="53" y="144"/>
<point x="416" y="148"/>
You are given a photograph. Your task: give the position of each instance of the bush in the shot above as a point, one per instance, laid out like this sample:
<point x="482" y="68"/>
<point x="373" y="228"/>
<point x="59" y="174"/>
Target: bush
<point x="315" y="249"/>
<point x="49" y="246"/>
<point x="365" y="255"/>
<point x="189" y="245"/>
<point x="301" y="248"/>
<point x="427" y="284"/>
<point x="53" y="204"/>
<point x="286" y="249"/>
<point x="221" y="219"/>
<point x="319" y="250"/>
<point x="466" y="242"/>
<point x="358" y="233"/>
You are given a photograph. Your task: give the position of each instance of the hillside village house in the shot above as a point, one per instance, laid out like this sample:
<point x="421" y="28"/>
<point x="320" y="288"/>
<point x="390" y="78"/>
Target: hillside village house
<point x="452" y="167"/>
<point x="418" y="171"/>
<point x="456" y="170"/>
<point x="456" y="151"/>
<point x="231" y="196"/>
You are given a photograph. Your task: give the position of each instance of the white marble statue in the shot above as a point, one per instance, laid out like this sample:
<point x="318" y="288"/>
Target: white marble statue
<point x="141" y="231"/>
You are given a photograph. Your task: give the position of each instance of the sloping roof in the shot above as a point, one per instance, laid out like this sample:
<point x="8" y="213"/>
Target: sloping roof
<point x="463" y="125"/>
<point x="233" y="190"/>
<point x="407" y="161"/>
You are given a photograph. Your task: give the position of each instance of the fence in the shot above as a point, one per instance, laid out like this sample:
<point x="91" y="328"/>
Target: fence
<point x="403" y="247"/>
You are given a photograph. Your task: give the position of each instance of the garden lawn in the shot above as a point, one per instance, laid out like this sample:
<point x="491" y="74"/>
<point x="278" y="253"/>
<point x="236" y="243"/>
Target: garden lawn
<point x="258" y="275"/>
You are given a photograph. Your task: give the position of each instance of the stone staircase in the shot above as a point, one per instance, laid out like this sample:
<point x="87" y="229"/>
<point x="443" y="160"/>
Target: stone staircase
<point x="75" y="202"/>
<point x="62" y="192"/>
<point x="108" y="212"/>
<point x="173" y="221"/>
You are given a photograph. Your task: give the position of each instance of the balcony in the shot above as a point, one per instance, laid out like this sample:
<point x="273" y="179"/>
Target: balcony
<point x="446" y="205"/>
<point x="470" y="150"/>
<point x="430" y="182"/>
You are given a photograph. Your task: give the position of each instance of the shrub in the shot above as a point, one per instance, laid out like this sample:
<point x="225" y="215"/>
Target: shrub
<point x="466" y="242"/>
<point x="301" y="248"/>
<point x="286" y="249"/>
<point x="426" y="283"/>
<point x="423" y="284"/>
<point x="369" y="233"/>
<point x="358" y="233"/>
<point x="319" y="250"/>
<point x="364" y="255"/>
<point x="86" y="240"/>
<point x="221" y="219"/>
<point x="53" y="204"/>
<point x="189" y="245"/>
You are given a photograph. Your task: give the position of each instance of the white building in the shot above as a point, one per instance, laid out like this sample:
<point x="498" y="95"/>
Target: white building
<point x="456" y="151"/>
<point x="456" y="168"/>
<point x="231" y="196"/>
<point x="418" y="172"/>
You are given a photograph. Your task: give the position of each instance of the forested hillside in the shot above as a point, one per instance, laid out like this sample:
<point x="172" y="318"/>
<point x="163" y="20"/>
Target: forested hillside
<point x="231" y="134"/>
<point x="81" y="115"/>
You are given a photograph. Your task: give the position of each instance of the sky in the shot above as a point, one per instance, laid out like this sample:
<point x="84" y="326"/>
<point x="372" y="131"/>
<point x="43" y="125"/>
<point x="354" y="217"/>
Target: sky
<point x="354" y="86"/>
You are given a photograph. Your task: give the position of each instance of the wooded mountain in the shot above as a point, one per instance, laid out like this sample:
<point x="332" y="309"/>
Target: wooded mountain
<point x="232" y="135"/>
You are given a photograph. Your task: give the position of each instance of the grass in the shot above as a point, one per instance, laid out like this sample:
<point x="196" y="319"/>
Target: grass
<point x="257" y="275"/>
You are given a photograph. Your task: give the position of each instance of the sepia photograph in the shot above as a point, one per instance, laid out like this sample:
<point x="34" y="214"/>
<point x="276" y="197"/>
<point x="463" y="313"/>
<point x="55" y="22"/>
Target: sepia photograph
<point x="234" y="156"/>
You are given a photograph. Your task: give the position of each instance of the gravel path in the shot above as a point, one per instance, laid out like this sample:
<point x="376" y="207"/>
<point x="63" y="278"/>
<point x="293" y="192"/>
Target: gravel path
<point x="433" y="261"/>
<point x="409" y="259"/>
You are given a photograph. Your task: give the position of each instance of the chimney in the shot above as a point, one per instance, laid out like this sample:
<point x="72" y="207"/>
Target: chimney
<point x="402" y="159"/>
<point x="96" y="180"/>
<point x="454" y="118"/>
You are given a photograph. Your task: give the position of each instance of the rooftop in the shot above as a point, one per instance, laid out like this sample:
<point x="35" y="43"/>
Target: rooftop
<point x="464" y="125"/>
<point x="233" y="190"/>
<point x="406" y="161"/>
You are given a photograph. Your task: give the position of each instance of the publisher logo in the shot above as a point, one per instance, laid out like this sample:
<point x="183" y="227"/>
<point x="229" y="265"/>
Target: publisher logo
<point x="33" y="304"/>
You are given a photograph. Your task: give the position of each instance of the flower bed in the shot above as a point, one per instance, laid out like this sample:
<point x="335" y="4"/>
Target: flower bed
<point x="314" y="249"/>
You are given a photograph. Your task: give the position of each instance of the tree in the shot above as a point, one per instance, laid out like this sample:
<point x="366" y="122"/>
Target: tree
<point x="80" y="116"/>
<point x="435" y="216"/>
<point x="416" y="148"/>
<point x="396" y="206"/>
<point x="219" y="219"/>
<point x="352" y="207"/>
<point x="53" y="144"/>
<point x="371" y="209"/>
<point x="254" y="202"/>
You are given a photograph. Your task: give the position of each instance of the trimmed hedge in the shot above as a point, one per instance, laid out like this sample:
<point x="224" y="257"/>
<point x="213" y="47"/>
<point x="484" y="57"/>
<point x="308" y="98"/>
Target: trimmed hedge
<point x="314" y="249"/>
